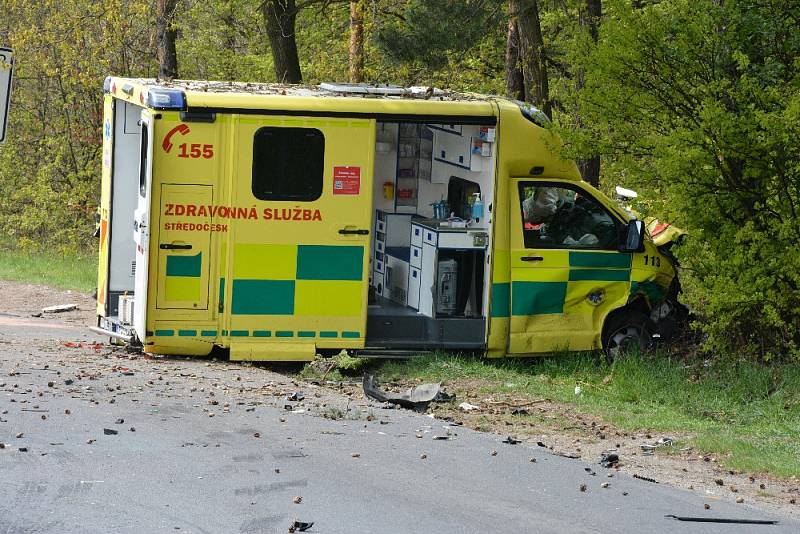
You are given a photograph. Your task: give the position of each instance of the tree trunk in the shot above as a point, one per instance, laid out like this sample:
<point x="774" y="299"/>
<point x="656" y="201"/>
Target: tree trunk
<point x="357" y="41"/>
<point x="279" y="19"/>
<point x="589" y="167"/>
<point x="166" y="36"/>
<point x="532" y="56"/>
<point x="515" y="83"/>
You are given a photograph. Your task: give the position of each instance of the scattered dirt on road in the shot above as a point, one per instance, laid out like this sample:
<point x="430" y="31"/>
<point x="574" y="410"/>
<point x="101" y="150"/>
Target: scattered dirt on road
<point x="106" y="372"/>
<point x="27" y="300"/>
<point x="561" y="429"/>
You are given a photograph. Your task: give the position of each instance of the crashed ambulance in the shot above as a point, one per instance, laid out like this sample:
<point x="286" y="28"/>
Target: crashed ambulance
<point x="281" y="222"/>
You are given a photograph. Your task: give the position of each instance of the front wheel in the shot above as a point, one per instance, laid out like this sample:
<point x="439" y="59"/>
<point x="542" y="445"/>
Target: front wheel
<point x="626" y="331"/>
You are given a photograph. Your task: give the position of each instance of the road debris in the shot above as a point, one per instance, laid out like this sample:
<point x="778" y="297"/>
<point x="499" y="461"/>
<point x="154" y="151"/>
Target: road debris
<point x="609" y="460"/>
<point x="582" y="487"/>
<point x="511" y="440"/>
<point x="297" y="396"/>
<point x="300" y="526"/>
<point x="723" y="520"/>
<point x="650" y="448"/>
<point x="297" y="499"/>
<point x="416" y="398"/>
<point x="467" y="407"/>
<point x="604" y="485"/>
<point x="110" y="432"/>
<point x="646" y="479"/>
<point x="60" y="308"/>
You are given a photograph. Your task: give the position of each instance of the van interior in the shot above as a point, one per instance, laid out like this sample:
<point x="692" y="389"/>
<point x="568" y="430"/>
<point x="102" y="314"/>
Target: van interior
<point x="432" y="199"/>
<point x="432" y="202"/>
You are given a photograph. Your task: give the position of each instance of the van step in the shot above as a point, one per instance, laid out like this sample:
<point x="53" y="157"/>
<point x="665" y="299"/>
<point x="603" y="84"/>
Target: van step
<point x="391" y="354"/>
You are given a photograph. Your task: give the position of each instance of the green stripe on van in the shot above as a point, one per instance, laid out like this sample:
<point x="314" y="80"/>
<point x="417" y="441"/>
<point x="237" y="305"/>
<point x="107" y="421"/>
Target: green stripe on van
<point x="239" y="333"/>
<point x="165" y="333"/>
<point x="351" y="335"/>
<point x="537" y="298"/>
<point x="187" y="333"/>
<point x="323" y="262"/>
<point x="328" y="334"/>
<point x="600" y="259"/>
<point x="501" y="299"/>
<point x="263" y="297"/>
<point x="184" y="265"/>
<point x="603" y="275"/>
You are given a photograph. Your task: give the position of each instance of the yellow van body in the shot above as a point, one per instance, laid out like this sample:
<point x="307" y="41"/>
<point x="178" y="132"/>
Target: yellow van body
<point x="194" y="253"/>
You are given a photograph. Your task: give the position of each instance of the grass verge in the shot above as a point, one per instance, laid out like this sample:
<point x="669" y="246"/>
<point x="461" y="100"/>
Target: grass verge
<point x="746" y="413"/>
<point x="74" y="271"/>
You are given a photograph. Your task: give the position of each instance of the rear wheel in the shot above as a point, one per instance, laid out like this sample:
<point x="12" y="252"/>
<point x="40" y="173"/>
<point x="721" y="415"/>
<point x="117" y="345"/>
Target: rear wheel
<point x="626" y="331"/>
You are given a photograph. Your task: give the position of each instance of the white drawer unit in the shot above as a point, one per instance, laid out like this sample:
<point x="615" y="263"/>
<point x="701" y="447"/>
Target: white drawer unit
<point x="416" y="235"/>
<point x="429" y="237"/>
<point x="415" y="256"/>
<point x="414" y="277"/>
<point x="427" y="277"/>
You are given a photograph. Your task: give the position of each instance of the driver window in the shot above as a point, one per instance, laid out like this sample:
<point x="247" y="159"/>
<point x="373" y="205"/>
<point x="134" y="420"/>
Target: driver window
<point x="558" y="216"/>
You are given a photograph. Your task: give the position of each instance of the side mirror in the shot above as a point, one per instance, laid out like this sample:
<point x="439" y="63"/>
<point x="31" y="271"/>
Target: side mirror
<point x="634" y="238"/>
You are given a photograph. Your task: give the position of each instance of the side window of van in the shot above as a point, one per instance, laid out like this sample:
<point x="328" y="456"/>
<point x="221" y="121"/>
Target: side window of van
<point x="288" y="163"/>
<point x="559" y="216"/>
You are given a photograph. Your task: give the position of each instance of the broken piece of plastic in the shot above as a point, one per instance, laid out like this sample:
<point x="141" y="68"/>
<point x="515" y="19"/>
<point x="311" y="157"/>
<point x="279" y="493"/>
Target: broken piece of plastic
<point x="300" y="526"/>
<point x="417" y="398"/>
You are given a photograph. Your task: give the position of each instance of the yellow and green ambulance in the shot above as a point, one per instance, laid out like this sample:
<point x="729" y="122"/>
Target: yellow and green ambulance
<point x="281" y="222"/>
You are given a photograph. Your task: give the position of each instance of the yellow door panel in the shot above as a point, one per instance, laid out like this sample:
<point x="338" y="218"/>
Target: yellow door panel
<point x="299" y="269"/>
<point x="184" y="249"/>
<point x="562" y="290"/>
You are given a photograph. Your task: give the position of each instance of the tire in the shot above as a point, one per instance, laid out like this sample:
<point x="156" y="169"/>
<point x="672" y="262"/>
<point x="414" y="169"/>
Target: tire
<point x="624" y="331"/>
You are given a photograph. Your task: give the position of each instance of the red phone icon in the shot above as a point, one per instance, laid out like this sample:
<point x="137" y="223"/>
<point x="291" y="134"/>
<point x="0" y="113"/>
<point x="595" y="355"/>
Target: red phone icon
<point x="167" y="143"/>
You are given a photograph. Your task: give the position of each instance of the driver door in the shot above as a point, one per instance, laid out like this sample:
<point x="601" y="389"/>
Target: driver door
<point x="566" y="269"/>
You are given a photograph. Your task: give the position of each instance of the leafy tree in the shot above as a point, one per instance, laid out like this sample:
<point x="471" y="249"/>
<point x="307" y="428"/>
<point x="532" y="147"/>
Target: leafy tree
<point x="697" y="103"/>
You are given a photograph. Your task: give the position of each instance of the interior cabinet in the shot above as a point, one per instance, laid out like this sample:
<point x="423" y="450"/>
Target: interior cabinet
<point x="414" y="159"/>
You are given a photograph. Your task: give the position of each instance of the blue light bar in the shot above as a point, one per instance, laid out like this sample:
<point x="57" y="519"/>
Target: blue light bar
<point x="166" y="99"/>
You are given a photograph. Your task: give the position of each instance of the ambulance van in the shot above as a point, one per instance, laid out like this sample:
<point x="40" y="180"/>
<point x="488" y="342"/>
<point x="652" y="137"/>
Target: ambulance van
<point x="282" y="222"/>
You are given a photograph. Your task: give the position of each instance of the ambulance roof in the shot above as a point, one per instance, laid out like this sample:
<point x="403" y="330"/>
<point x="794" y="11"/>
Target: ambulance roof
<point x="344" y="97"/>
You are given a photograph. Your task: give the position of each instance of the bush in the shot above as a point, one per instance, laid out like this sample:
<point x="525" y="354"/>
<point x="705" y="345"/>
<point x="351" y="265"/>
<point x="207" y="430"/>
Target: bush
<point x="696" y="104"/>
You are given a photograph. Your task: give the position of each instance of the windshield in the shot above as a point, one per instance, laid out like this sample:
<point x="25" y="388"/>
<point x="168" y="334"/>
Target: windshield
<point x="533" y="114"/>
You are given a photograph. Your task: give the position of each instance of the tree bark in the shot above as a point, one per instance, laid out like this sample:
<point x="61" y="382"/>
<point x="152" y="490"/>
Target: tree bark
<point x="590" y="167"/>
<point x="532" y="56"/>
<point x="166" y="36"/>
<point x="357" y="41"/>
<point x="515" y="83"/>
<point x="279" y="18"/>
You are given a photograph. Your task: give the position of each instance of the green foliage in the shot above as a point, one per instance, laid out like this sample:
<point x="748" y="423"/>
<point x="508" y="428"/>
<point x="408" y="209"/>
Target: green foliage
<point x="417" y="35"/>
<point x="62" y="269"/>
<point x="50" y="164"/>
<point x="696" y="104"/>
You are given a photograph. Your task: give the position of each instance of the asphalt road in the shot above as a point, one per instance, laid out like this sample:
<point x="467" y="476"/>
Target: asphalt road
<point x="172" y="466"/>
